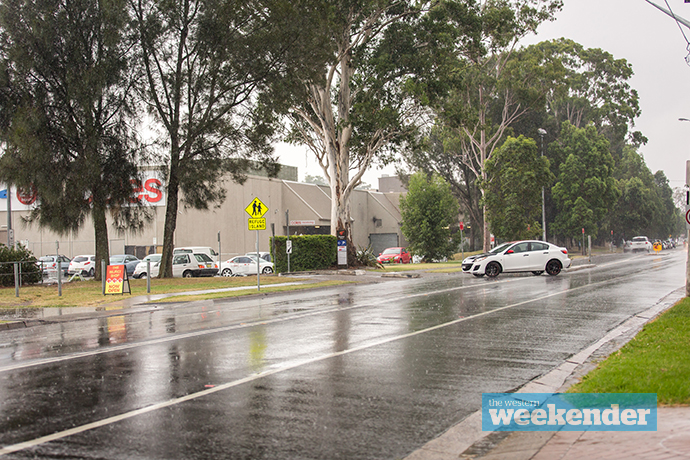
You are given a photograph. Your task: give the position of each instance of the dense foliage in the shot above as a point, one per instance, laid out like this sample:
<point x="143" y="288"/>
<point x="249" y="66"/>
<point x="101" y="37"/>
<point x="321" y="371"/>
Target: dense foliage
<point x="516" y="174"/>
<point x="309" y="252"/>
<point x="28" y="270"/>
<point x="429" y="214"/>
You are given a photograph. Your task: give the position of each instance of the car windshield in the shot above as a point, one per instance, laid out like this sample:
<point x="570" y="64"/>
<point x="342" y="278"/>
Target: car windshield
<point x="500" y="248"/>
<point x="80" y="259"/>
<point x="117" y="259"/>
<point x="46" y="259"/>
<point x="152" y="258"/>
<point x="639" y="238"/>
<point x="392" y="251"/>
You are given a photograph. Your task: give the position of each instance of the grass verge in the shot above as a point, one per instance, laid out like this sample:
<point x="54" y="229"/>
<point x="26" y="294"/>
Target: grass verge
<point x="89" y="293"/>
<point x="657" y="361"/>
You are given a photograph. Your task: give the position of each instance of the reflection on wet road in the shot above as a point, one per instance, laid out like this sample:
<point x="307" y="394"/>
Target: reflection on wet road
<point x="369" y="371"/>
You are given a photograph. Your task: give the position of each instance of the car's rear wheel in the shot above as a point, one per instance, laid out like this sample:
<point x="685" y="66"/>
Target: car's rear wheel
<point x="537" y="273"/>
<point x="492" y="269"/>
<point x="553" y="267"/>
<point x="187" y="274"/>
<point x="226" y="272"/>
<point x="267" y="270"/>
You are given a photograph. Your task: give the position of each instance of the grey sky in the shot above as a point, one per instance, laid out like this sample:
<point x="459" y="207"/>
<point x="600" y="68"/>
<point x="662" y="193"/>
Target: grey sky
<point x="631" y="29"/>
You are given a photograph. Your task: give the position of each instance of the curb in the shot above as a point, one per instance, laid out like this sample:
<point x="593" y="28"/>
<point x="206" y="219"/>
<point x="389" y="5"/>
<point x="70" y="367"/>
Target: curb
<point x="467" y="440"/>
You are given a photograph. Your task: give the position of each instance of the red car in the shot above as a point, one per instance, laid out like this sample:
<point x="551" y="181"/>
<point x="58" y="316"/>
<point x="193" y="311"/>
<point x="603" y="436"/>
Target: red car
<point x="394" y="256"/>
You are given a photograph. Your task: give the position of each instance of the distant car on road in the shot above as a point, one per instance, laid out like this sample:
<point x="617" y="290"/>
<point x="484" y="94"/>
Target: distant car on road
<point x="639" y="244"/>
<point x="129" y="261"/>
<point x="83" y="265"/>
<point x="394" y="256"/>
<point x="522" y="256"/>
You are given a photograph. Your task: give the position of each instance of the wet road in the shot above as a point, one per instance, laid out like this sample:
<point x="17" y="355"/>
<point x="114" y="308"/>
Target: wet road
<point x="367" y="371"/>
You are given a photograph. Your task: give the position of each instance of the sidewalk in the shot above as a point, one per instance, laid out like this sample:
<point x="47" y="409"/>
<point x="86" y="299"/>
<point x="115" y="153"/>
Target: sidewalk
<point x="671" y="441"/>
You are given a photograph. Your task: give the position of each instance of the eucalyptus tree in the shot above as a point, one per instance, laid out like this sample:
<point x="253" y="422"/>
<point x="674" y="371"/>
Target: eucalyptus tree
<point x="357" y="111"/>
<point x="494" y="83"/>
<point x="207" y="66"/>
<point x="68" y="118"/>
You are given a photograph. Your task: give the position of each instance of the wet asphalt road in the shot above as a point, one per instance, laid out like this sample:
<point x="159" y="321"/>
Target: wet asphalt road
<point x="366" y="371"/>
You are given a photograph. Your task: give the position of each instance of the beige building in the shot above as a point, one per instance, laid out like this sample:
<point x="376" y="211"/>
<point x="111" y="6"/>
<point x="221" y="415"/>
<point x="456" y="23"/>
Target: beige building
<point x="376" y="220"/>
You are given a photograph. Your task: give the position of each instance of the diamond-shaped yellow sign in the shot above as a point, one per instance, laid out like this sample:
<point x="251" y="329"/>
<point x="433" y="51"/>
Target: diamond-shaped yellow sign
<point x="256" y="208"/>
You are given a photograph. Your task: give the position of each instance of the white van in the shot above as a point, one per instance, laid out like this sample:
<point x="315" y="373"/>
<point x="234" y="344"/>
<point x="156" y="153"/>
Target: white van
<point x="197" y="250"/>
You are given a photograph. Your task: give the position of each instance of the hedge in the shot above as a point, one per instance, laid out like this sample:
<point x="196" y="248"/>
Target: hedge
<point x="309" y="252"/>
<point x="29" y="271"/>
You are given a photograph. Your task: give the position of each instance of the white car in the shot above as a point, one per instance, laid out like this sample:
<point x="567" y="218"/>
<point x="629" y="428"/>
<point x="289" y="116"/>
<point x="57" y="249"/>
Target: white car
<point x="245" y="265"/>
<point x="522" y="256"/>
<point x="189" y="266"/>
<point x="83" y="265"/>
<point x="140" y="269"/>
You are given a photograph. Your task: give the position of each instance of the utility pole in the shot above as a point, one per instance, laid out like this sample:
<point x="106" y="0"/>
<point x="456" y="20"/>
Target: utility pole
<point x="542" y="132"/>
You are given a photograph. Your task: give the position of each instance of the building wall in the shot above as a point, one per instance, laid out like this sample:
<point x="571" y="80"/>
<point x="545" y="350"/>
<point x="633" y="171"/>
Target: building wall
<point x="373" y="213"/>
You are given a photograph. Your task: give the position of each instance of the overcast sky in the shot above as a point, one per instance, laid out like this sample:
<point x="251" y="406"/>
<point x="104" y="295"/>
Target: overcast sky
<point x="631" y="29"/>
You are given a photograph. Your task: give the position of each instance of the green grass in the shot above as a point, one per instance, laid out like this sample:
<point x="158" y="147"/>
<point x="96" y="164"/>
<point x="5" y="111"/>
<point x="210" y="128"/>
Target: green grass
<point x="89" y="293"/>
<point x="657" y="361"/>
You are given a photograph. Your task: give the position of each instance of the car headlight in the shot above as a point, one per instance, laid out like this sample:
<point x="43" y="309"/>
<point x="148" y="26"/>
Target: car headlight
<point x="479" y="259"/>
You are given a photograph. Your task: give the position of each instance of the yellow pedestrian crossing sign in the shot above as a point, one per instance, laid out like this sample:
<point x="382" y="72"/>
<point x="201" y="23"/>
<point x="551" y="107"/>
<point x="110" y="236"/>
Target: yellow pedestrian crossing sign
<point x="256" y="208"/>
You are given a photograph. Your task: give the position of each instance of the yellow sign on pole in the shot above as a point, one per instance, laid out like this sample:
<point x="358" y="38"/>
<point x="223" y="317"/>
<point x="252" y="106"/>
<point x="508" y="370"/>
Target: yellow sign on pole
<point x="657" y="246"/>
<point x="257" y="224"/>
<point x="256" y="208"/>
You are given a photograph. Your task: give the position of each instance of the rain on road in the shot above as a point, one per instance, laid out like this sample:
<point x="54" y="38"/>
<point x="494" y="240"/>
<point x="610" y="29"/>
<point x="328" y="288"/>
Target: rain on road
<point x="365" y="371"/>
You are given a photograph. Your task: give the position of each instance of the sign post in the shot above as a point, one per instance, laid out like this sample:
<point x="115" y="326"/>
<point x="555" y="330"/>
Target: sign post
<point x="462" y="241"/>
<point x="342" y="248"/>
<point x="256" y="210"/>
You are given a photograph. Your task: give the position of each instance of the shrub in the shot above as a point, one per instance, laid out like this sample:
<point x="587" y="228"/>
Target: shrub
<point x="29" y="271"/>
<point x="309" y="252"/>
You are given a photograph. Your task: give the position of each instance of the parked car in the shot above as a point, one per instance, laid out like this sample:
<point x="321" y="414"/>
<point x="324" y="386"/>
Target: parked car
<point x="522" y="256"/>
<point x="129" y="261"/>
<point x="140" y="269"/>
<point x="264" y="255"/>
<point x="49" y="264"/>
<point x="394" y="256"/>
<point x="83" y="265"/>
<point x="209" y="251"/>
<point x="189" y="266"/>
<point x="245" y="265"/>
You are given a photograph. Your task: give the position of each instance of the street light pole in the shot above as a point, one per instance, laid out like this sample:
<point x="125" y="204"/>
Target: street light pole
<point x="542" y="132"/>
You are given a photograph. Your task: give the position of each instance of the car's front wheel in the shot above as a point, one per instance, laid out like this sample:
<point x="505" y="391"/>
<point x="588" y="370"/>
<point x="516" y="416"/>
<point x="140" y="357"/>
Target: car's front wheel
<point x="267" y="270"/>
<point x="554" y="267"/>
<point x="226" y="272"/>
<point x="492" y="269"/>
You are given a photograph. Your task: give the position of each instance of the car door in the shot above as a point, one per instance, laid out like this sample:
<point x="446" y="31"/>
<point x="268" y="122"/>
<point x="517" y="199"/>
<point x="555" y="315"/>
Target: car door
<point x="181" y="262"/>
<point x="248" y="265"/>
<point x="516" y="258"/>
<point x="538" y="256"/>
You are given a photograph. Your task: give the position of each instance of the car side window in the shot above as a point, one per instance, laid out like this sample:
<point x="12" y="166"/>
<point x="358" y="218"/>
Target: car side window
<point x="181" y="259"/>
<point x="520" y="247"/>
<point x="540" y="247"/>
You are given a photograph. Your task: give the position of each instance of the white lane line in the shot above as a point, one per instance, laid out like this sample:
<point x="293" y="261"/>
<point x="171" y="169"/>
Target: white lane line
<point x="225" y="386"/>
<point x="186" y="335"/>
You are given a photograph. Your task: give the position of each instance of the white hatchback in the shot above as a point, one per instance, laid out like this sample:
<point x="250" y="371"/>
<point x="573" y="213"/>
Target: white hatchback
<point x="522" y="256"/>
<point x="140" y="269"/>
<point x="245" y="265"/>
<point x="83" y="265"/>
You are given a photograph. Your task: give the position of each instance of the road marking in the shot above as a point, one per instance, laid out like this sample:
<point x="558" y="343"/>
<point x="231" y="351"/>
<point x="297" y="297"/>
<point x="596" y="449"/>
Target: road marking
<point x="225" y="386"/>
